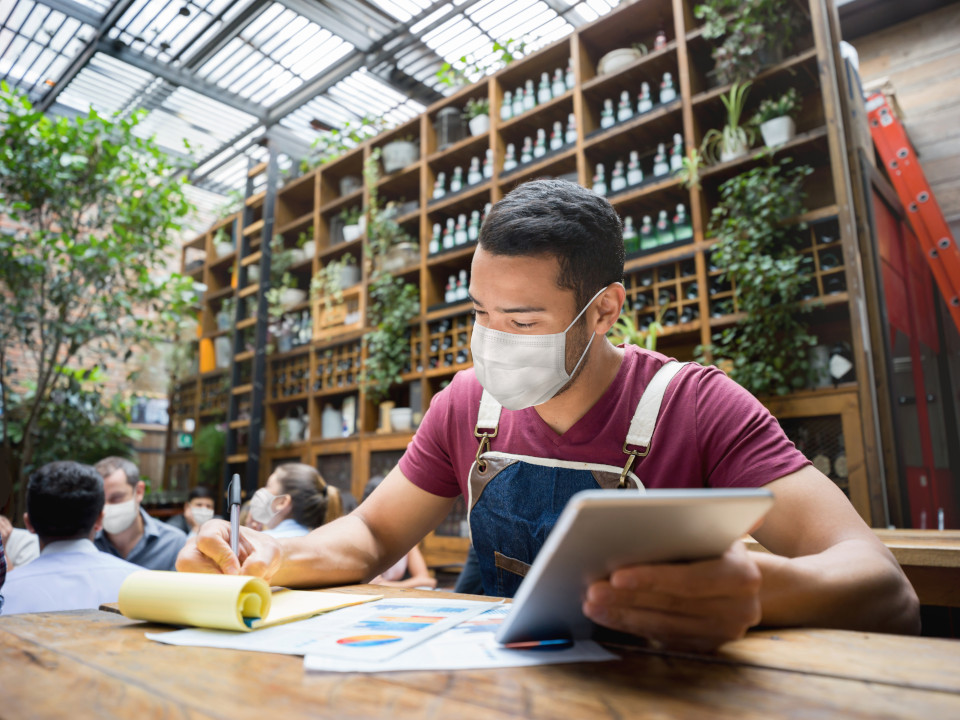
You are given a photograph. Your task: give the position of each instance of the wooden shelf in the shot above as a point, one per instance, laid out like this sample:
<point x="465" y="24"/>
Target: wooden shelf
<point x="253" y="228"/>
<point x="657" y="113"/>
<point x="521" y="119"/>
<point x="800" y="140"/>
<point x="715" y="93"/>
<point x="335" y="205"/>
<point x="464" y="144"/>
<point x="653" y="57"/>
<point x="467" y="193"/>
<point x="304" y="220"/>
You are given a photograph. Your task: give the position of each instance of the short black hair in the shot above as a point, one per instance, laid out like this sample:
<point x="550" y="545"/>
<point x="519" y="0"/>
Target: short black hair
<point x="564" y="220"/>
<point x="64" y="500"/>
<point x="200" y="491"/>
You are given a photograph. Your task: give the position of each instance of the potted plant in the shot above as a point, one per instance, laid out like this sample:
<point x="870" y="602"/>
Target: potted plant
<point x="225" y="315"/>
<point x="625" y="330"/>
<point x="350" y="217"/>
<point x="399" y="153"/>
<point x="283" y="293"/>
<point x="222" y="244"/>
<point x="477" y="111"/>
<point x="769" y="346"/>
<point x="333" y="278"/>
<point x="774" y="118"/>
<point x="753" y="33"/>
<point x="735" y="139"/>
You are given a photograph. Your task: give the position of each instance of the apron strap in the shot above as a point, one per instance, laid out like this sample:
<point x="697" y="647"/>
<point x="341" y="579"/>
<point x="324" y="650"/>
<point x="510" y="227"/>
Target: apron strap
<point x="488" y="419"/>
<point x="644" y="421"/>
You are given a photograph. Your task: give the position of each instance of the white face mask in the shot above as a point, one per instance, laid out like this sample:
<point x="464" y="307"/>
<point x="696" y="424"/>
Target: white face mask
<point x="117" y="517"/>
<point x="521" y="371"/>
<point x="201" y="515"/>
<point x="261" y="506"/>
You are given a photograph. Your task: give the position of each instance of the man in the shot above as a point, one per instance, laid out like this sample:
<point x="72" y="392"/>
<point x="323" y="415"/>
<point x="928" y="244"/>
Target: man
<point x="545" y="284"/>
<point x="65" y="509"/>
<point x="128" y="531"/>
<point x="196" y="510"/>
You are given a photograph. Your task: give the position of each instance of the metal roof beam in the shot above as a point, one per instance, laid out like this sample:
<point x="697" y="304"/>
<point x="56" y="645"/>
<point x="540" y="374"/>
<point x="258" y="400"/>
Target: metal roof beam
<point x="223" y="36"/>
<point x="330" y="21"/>
<point x="563" y="10"/>
<point x="316" y="86"/>
<point x="109" y="19"/>
<point x="74" y="10"/>
<point x="178" y="77"/>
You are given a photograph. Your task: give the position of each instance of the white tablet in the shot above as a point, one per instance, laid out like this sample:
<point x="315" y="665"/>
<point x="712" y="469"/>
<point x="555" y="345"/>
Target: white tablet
<point x="600" y="531"/>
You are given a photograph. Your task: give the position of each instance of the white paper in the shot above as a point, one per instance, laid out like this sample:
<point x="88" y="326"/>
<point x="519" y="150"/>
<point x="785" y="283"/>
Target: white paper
<point x="372" y="632"/>
<point x="469" y="646"/>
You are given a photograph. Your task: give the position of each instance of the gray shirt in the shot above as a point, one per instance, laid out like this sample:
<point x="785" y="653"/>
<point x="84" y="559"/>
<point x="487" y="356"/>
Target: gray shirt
<point x="156" y="550"/>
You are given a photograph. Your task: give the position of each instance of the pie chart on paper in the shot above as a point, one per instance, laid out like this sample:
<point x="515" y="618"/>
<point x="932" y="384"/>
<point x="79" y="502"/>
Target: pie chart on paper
<point x="368" y="640"/>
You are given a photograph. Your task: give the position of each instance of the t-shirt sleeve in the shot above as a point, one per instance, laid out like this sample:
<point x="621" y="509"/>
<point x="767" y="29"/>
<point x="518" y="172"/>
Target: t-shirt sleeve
<point x="740" y="442"/>
<point x="427" y="462"/>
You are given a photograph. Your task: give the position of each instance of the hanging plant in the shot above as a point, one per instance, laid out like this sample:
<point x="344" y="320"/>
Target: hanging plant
<point x="769" y="347"/>
<point x="393" y="302"/>
<point x="735" y="139"/>
<point x="752" y="34"/>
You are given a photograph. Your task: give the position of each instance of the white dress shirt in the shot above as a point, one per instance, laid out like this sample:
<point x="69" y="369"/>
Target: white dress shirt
<point x="68" y="575"/>
<point x="287" y="529"/>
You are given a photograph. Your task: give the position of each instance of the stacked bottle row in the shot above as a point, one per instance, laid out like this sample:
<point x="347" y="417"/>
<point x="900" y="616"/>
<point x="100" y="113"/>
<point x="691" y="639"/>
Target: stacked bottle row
<point x="457" y="232"/>
<point x="632" y="175"/>
<point x="213" y="396"/>
<point x="524" y="99"/>
<point x="294" y="330"/>
<point x="475" y="175"/>
<point x="290" y="377"/>
<point x="645" y="103"/>
<point x="669" y="292"/>
<point x="457" y="288"/>
<point x="530" y="151"/>
<point x="449" y="341"/>
<point x="666" y="232"/>
<point x="338" y="367"/>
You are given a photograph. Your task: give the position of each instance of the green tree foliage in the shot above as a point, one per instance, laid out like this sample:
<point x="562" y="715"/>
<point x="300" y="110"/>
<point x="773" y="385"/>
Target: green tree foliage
<point x="98" y="209"/>
<point x="769" y="346"/>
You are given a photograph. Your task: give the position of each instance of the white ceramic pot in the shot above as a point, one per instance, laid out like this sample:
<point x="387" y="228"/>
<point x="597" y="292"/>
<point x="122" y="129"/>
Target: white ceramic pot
<point x="479" y="124"/>
<point x="733" y="152"/>
<point x="349" y="276"/>
<point x="617" y="59"/>
<point x="222" y="249"/>
<point x="297" y="256"/>
<point x="778" y="131"/>
<point x="290" y="297"/>
<point x="349" y="184"/>
<point x="401" y="419"/>
<point x="351" y="233"/>
<point x="398" y="154"/>
<point x="253" y="274"/>
<point x="309" y="249"/>
<point x="400" y="256"/>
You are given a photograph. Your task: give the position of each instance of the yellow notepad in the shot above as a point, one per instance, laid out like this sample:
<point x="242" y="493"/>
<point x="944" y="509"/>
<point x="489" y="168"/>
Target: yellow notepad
<point x="224" y="602"/>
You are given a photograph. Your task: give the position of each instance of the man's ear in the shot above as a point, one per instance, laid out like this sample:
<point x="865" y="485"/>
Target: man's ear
<point x="98" y="525"/>
<point x="139" y="491"/>
<point x="608" y="307"/>
<point x="27" y="524"/>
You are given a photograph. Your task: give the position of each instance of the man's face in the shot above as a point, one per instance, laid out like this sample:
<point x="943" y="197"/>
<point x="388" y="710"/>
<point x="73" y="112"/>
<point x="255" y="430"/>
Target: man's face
<point x="520" y="295"/>
<point x="116" y="489"/>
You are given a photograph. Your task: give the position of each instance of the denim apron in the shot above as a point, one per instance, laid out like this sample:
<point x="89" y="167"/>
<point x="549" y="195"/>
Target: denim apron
<point x="514" y="500"/>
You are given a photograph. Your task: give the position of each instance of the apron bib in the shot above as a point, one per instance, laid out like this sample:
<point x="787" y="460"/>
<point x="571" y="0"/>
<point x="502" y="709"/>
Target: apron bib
<point x="515" y="500"/>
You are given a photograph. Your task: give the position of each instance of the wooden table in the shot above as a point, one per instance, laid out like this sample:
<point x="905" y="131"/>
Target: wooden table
<point x="929" y="558"/>
<point x="98" y="664"/>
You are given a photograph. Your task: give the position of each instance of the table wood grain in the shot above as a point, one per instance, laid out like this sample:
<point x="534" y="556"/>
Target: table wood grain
<point x="92" y="663"/>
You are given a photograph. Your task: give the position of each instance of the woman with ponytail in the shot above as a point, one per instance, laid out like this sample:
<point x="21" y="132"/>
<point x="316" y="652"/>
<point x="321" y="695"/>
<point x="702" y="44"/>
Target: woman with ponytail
<point x="296" y="500"/>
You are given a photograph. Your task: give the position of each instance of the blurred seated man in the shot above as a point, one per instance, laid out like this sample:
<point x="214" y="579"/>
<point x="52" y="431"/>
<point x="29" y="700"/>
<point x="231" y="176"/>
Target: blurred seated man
<point x="21" y="546"/>
<point x="65" y="509"/>
<point x="128" y="531"/>
<point x="196" y="510"/>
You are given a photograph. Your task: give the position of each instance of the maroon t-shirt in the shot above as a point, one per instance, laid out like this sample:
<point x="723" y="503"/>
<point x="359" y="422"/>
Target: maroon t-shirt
<point x="710" y="433"/>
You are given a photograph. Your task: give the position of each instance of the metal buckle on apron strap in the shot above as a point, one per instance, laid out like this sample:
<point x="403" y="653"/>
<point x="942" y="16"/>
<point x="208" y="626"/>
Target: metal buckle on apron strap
<point x="484" y="446"/>
<point x="634" y="454"/>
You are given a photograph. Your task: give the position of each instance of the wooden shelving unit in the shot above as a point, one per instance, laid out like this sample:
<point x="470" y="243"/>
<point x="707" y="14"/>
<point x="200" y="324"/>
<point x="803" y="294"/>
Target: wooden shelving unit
<point x="680" y="275"/>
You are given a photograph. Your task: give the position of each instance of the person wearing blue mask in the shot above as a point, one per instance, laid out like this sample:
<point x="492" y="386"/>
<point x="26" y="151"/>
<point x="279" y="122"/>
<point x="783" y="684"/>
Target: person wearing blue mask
<point x="128" y="531"/>
<point x="550" y="408"/>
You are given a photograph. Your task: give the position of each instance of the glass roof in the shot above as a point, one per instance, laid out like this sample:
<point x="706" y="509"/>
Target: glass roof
<point x="221" y="73"/>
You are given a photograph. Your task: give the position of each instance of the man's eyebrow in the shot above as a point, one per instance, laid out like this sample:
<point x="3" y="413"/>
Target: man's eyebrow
<point x="525" y="309"/>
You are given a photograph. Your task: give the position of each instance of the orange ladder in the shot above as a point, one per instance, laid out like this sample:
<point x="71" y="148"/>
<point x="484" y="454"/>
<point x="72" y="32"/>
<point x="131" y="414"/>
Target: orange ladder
<point x="912" y="187"/>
